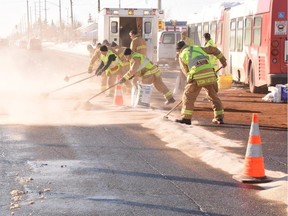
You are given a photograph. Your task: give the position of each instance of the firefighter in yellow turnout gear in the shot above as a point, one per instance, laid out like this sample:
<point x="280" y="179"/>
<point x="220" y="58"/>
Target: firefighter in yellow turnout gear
<point x="95" y="60"/>
<point x="209" y="42"/>
<point x="111" y="65"/>
<point x="141" y="66"/>
<point x="194" y="61"/>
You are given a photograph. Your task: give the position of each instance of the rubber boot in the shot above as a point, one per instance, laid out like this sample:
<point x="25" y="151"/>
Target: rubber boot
<point x="218" y="121"/>
<point x="183" y="121"/>
<point x="170" y="101"/>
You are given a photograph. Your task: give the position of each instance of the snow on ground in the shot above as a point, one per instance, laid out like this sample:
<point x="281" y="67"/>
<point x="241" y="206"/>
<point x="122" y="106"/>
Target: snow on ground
<point x="197" y="142"/>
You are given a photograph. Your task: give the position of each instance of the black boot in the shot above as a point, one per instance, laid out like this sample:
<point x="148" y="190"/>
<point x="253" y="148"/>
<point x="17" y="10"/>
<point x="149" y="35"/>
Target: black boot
<point x="184" y="121"/>
<point x="170" y="101"/>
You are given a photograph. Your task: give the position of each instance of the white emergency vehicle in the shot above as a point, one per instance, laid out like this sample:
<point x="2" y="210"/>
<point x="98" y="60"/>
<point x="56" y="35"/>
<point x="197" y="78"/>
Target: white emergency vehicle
<point x="114" y="24"/>
<point x="167" y="39"/>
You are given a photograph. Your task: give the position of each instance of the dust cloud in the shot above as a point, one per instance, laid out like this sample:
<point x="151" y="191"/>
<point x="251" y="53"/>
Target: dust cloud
<point x="28" y="97"/>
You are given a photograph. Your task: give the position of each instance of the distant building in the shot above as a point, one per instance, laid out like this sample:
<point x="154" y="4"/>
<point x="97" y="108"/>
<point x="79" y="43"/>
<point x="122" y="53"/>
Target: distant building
<point x="88" y="32"/>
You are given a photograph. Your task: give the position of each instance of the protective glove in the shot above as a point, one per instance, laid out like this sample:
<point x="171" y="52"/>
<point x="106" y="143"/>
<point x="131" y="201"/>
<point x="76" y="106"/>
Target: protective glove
<point x="224" y="64"/>
<point x="122" y="80"/>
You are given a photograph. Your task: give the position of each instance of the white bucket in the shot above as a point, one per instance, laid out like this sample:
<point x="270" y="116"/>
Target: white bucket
<point x="141" y="95"/>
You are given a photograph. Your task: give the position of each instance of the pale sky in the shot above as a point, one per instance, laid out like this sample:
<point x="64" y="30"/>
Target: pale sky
<point x="14" y="12"/>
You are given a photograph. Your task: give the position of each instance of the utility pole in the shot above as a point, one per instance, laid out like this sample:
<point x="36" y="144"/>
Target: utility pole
<point x="28" y="23"/>
<point x="71" y="5"/>
<point x="98" y="6"/>
<point x="60" y="20"/>
<point x="45" y="12"/>
<point x="159" y="5"/>
<point x="40" y="20"/>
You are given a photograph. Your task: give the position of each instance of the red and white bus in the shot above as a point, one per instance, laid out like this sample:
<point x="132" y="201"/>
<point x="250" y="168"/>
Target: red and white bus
<point x="252" y="36"/>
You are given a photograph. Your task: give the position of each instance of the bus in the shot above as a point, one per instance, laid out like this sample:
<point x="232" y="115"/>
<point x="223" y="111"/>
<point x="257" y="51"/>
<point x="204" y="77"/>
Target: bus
<point x="252" y="36"/>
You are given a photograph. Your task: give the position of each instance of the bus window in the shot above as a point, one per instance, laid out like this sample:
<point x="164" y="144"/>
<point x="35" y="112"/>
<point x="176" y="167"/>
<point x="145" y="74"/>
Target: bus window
<point x="205" y="28"/>
<point x="213" y="31"/>
<point x="247" y="38"/>
<point x="257" y="31"/>
<point x="239" y="35"/>
<point x="232" y="34"/>
<point x="219" y="32"/>
<point x="114" y="27"/>
<point x="147" y="28"/>
<point x="192" y="32"/>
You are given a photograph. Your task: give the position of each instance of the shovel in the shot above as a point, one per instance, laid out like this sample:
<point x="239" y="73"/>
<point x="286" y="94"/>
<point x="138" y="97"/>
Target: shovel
<point x="67" y="78"/>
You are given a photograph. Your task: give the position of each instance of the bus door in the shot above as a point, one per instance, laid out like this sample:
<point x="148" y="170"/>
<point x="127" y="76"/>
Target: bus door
<point x="114" y="32"/>
<point x="147" y="35"/>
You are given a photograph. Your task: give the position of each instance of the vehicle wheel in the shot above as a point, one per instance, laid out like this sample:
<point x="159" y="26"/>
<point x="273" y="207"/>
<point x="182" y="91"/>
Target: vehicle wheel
<point x="252" y="87"/>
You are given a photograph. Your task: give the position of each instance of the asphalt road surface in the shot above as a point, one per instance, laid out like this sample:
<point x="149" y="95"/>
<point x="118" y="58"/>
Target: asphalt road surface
<point x="60" y="157"/>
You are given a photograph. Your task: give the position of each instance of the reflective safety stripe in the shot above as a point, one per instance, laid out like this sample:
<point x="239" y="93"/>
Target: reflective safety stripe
<point x="204" y="75"/>
<point x="218" y="112"/>
<point x="194" y="60"/>
<point x="153" y="71"/>
<point x="186" y="112"/>
<point x="168" y="94"/>
<point x="206" y="81"/>
<point x="126" y="76"/>
<point x="141" y="47"/>
<point x="143" y="64"/>
<point x="254" y="150"/>
<point x="219" y="56"/>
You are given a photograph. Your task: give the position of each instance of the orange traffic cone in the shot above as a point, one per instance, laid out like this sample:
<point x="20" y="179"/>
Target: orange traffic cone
<point x="118" y="97"/>
<point x="254" y="171"/>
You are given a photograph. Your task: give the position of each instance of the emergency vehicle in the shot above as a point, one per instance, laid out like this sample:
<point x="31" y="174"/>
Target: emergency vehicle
<point x="167" y="38"/>
<point x="114" y="24"/>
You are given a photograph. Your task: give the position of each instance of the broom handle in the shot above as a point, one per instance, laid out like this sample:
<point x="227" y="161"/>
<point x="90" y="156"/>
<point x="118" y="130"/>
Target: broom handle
<point x="103" y="91"/>
<point x="107" y="89"/>
<point x="72" y="84"/>
<point x="173" y="108"/>
<point x="77" y="74"/>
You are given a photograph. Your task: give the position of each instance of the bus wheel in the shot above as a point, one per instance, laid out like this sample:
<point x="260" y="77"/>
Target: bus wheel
<point x="252" y="87"/>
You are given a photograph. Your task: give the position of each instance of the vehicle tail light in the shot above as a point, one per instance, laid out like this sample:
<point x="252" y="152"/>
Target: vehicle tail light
<point x="275" y="44"/>
<point x="274" y="52"/>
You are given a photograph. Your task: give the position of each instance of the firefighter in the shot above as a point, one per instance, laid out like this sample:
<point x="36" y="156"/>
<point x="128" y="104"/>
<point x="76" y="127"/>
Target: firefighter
<point x="125" y="64"/>
<point x="181" y="78"/>
<point x="186" y="39"/>
<point x="194" y="61"/>
<point x="94" y="62"/>
<point x="110" y="64"/>
<point x="91" y="50"/>
<point x="141" y="66"/>
<point x="138" y="44"/>
<point x="210" y="42"/>
<point x="212" y="59"/>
